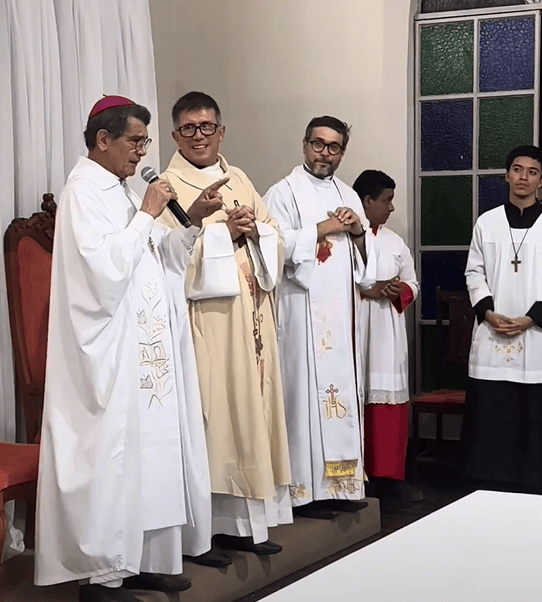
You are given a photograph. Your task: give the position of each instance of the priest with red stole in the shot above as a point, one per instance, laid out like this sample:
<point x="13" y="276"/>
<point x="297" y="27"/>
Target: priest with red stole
<point x="327" y="262"/>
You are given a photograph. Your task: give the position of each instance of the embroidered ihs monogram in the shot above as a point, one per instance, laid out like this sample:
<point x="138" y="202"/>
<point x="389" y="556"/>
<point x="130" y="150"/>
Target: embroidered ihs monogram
<point x="334" y="408"/>
<point x="349" y="485"/>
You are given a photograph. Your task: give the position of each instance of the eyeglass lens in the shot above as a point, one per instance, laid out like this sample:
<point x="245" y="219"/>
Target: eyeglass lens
<point x="143" y="144"/>
<point x="318" y="146"/>
<point x="189" y="130"/>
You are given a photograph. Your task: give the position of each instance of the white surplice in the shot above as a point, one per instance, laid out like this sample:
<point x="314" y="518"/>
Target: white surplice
<point x="317" y="326"/>
<point x="123" y="458"/>
<point x="384" y="336"/>
<point x="490" y="272"/>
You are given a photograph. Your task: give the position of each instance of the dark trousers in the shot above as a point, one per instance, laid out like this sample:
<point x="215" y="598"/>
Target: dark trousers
<point x="502" y="432"/>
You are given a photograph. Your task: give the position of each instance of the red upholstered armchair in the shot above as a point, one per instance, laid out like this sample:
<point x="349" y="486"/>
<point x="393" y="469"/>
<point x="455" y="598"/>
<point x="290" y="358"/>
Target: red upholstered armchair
<point x="28" y="247"/>
<point x="455" y="319"/>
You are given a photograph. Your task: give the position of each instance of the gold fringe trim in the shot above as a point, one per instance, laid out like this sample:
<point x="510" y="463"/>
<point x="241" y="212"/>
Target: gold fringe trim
<point x="341" y="468"/>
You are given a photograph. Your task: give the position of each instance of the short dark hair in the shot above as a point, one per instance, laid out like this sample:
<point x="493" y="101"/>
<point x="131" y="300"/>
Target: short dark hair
<point x="329" y="122"/>
<point x="372" y="182"/>
<point x="115" y="121"/>
<point x="194" y="101"/>
<point x="527" y="150"/>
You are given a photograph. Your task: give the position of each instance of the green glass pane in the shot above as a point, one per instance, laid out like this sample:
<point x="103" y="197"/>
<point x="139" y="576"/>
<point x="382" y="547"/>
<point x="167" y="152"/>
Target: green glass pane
<point x="446" y="61"/>
<point x="446" y="210"/>
<point x="504" y="124"/>
<point x="453" y="377"/>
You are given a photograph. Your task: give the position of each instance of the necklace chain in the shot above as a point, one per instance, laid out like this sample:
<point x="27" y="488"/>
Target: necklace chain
<point x="516" y="252"/>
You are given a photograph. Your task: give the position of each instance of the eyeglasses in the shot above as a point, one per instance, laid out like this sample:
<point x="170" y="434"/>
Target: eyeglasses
<point x="334" y="148"/>
<point x="189" y="130"/>
<point x="141" y="145"/>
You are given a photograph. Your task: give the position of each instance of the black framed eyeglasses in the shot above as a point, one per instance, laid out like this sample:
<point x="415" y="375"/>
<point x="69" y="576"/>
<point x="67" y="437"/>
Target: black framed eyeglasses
<point x="334" y="148"/>
<point x="189" y="130"/>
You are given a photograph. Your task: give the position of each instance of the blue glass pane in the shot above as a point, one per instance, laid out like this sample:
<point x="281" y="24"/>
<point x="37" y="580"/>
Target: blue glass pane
<point x="446" y="268"/>
<point x="507" y="54"/>
<point x="492" y="192"/>
<point x="446" y="135"/>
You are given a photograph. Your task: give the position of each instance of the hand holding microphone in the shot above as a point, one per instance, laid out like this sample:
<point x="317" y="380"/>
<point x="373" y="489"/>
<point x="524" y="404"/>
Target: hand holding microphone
<point x="159" y="195"/>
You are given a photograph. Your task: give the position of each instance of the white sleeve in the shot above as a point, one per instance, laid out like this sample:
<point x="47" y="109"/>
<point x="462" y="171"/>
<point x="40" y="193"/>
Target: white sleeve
<point x="214" y="265"/>
<point x="265" y="256"/>
<point x="110" y="256"/>
<point x="475" y="272"/>
<point x="365" y="273"/>
<point x="299" y="242"/>
<point x="176" y="245"/>
<point x="407" y="272"/>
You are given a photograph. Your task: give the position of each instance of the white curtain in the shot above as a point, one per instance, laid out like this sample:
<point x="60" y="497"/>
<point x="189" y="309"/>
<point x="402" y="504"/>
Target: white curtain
<point x="58" y="58"/>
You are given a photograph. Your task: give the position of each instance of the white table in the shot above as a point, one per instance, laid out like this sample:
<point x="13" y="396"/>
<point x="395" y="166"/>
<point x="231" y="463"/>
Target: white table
<point x="486" y="547"/>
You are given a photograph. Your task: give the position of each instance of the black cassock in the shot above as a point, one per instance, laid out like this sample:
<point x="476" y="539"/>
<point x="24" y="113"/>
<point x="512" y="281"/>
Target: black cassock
<point x="502" y="425"/>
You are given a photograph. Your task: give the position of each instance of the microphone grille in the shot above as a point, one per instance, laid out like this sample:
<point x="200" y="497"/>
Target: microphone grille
<point x="148" y="174"/>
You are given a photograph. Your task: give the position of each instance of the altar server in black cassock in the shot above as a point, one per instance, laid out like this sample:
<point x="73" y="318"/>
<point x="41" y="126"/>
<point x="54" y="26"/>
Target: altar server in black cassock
<point x="502" y="427"/>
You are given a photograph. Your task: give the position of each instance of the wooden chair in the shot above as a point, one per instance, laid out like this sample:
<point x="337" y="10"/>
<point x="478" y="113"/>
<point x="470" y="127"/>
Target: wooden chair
<point x="28" y="248"/>
<point x="453" y="346"/>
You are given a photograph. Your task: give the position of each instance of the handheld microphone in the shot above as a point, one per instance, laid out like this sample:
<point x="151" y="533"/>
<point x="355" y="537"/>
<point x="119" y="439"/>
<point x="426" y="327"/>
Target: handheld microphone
<point x="150" y="176"/>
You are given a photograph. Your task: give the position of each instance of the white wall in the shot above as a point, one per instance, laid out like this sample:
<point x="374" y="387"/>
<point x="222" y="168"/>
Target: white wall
<point x="273" y="64"/>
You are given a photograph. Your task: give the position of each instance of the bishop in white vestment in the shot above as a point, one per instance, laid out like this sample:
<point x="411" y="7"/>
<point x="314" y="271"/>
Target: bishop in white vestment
<point x="123" y="484"/>
<point x="318" y="311"/>
<point x="502" y="434"/>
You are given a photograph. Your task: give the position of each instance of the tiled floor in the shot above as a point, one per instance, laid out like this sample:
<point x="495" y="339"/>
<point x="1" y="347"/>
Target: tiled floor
<point x="440" y="483"/>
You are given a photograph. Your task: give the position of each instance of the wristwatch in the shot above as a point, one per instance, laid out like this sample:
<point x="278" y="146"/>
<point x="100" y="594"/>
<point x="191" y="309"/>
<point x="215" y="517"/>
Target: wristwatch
<point x="363" y="232"/>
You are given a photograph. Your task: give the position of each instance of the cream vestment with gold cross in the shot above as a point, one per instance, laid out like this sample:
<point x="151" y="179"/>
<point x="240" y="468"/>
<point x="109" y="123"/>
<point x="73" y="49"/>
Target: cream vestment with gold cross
<point x="232" y="315"/>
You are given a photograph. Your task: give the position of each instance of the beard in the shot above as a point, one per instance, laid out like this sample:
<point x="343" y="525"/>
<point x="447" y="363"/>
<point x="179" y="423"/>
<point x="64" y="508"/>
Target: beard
<point x="322" y="170"/>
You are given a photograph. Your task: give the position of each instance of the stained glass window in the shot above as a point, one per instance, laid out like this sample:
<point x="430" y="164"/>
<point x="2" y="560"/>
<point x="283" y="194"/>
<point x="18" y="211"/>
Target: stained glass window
<point x="505" y="123"/>
<point x="440" y="268"/>
<point x="477" y="90"/>
<point x="446" y="135"/>
<point x="446" y="62"/>
<point x="507" y="54"/>
<point x="446" y="210"/>
<point x="492" y="192"/>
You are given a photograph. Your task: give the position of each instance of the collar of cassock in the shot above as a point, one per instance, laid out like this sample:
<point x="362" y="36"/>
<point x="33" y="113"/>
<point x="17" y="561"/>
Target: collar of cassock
<point x="101" y="176"/>
<point x="326" y="182"/>
<point x="191" y="175"/>
<point x="519" y="220"/>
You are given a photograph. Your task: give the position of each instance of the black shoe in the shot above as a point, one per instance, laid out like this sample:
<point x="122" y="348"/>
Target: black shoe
<point x="99" y="593"/>
<point x="212" y="558"/>
<point x="415" y="495"/>
<point x="371" y="489"/>
<point x="315" y="510"/>
<point x="246" y="544"/>
<point x="157" y="582"/>
<point x="395" y="495"/>
<point x="346" y="505"/>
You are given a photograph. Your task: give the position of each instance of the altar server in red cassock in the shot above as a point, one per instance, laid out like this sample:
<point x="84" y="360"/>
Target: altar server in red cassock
<point x="384" y="343"/>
